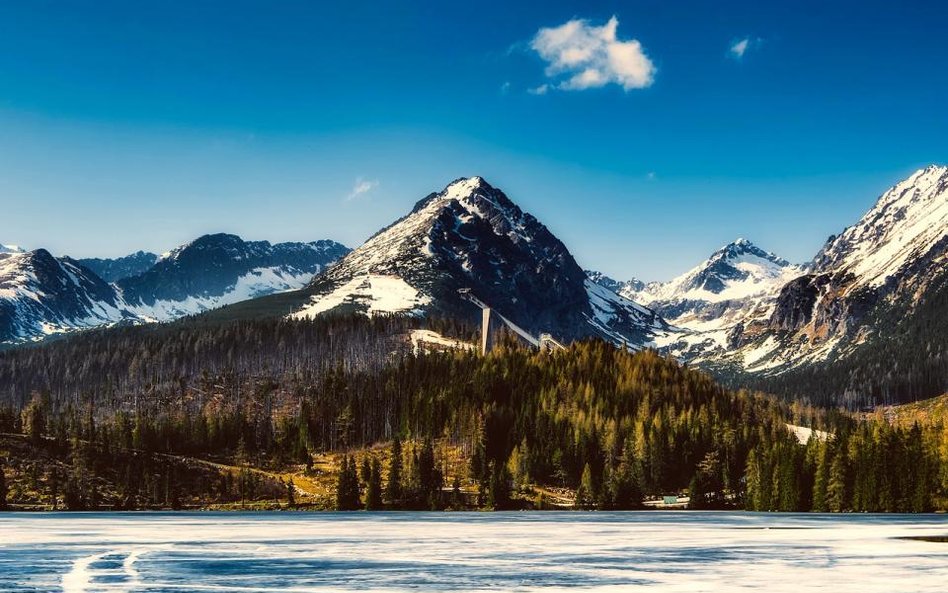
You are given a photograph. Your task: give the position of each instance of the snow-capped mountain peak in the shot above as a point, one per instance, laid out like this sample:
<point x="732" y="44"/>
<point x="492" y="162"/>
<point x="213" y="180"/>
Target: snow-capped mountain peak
<point x="737" y="270"/>
<point x="470" y="235"/>
<point x="41" y="295"/>
<point x="11" y="249"/>
<point x="904" y="224"/>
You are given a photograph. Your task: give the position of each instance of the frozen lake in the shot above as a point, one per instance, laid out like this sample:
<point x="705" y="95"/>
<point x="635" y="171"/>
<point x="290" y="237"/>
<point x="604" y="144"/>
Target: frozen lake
<point x="295" y="552"/>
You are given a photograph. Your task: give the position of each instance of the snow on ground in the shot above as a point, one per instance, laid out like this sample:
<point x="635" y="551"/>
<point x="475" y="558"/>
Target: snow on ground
<point x="375" y="293"/>
<point x="804" y="434"/>
<point x="420" y="337"/>
<point x="754" y="355"/>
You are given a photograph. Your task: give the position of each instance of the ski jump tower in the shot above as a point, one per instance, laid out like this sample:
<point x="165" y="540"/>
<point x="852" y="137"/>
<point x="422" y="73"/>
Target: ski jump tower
<point x="544" y="342"/>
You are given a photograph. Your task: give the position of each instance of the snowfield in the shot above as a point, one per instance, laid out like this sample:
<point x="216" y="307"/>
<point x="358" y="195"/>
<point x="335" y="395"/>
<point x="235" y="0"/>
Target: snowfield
<point x="678" y="551"/>
<point x="374" y="293"/>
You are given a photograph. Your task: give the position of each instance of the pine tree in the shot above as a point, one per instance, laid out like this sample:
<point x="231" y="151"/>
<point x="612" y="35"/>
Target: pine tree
<point x="837" y="495"/>
<point x="426" y="479"/>
<point x="586" y="493"/>
<point x="821" y="478"/>
<point x="373" y="488"/>
<point x="290" y="493"/>
<point x="697" y="496"/>
<point x="498" y="494"/>
<point x="625" y="490"/>
<point x="348" y="497"/>
<point x="519" y="465"/>
<point x="72" y="497"/>
<point x="34" y="418"/>
<point x="756" y="494"/>
<point x="393" y="490"/>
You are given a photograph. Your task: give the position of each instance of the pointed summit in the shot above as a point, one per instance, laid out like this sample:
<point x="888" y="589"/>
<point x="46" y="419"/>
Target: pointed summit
<point x="470" y="235"/>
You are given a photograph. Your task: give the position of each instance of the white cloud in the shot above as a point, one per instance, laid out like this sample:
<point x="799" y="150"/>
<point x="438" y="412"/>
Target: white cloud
<point x="505" y="88"/>
<point x="582" y="56"/>
<point x="540" y="90"/>
<point x="361" y="187"/>
<point x="739" y="48"/>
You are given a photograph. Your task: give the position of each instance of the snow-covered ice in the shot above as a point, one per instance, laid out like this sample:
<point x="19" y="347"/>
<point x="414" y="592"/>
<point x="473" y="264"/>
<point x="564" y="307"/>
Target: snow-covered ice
<point x="393" y="552"/>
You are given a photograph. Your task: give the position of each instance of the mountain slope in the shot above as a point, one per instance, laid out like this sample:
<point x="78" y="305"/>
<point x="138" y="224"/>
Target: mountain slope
<point x="113" y="270"/>
<point x="890" y="258"/>
<point x="216" y="270"/>
<point x="471" y="236"/>
<point x="731" y="293"/>
<point x="42" y="295"/>
<point x="866" y="324"/>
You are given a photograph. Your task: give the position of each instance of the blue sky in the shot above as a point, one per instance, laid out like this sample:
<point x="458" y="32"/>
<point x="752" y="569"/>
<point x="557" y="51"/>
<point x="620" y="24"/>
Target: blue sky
<point x="128" y="126"/>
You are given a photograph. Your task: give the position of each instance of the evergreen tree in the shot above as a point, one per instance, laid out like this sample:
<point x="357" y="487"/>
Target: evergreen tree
<point x="72" y="497"/>
<point x="34" y="418"/>
<point x="837" y="491"/>
<point x="498" y="497"/>
<point x="821" y="477"/>
<point x="625" y="490"/>
<point x="348" y="497"/>
<point x="586" y="493"/>
<point x="393" y="490"/>
<point x="373" y="488"/>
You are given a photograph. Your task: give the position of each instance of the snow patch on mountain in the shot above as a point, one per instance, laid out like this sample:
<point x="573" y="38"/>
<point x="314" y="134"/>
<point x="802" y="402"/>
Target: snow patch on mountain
<point x="372" y="294"/>
<point x="905" y="223"/>
<point x="42" y="295"/>
<point x="736" y="271"/>
<point x="256" y="283"/>
<point x="712" y="305"/>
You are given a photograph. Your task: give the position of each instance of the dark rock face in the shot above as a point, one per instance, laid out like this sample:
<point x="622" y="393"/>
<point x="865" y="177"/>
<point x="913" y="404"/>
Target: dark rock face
<point x="211" y="265"/>
<point x="794" y="308"/>
<point x="535" y="279"/>
<point x="113" y="270"/>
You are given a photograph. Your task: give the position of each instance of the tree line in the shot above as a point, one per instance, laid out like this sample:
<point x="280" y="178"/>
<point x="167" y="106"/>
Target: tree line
<point x="513" y="429"/>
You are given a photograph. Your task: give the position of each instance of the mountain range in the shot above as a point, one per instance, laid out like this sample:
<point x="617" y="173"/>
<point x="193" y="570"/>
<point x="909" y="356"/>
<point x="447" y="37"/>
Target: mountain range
<point x="877" y="287"/>
<point x="874" y="295"/>
<point x="43" y="295"/>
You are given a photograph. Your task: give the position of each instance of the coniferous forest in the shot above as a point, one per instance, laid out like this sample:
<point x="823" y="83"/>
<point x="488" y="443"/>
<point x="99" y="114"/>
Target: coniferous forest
<point x="345" y="412"/>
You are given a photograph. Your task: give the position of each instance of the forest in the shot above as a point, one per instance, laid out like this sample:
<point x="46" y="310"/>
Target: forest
<point x="344" y="413"/>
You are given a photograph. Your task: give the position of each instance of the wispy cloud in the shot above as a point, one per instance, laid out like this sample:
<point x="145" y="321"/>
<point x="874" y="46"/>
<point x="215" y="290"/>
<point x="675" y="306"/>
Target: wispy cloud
<point x="539" y="90"/>
<point x="362" y="187"/>
<point x="741" y="46"/>
<point x="582" y="56"/>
